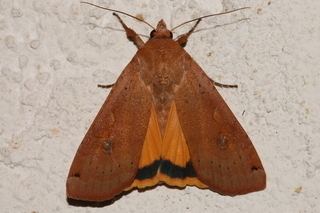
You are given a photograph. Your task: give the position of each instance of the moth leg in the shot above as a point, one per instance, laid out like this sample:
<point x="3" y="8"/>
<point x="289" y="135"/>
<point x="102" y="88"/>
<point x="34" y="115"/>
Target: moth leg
<point x="106" y="86"/>
<point x="131" y="34"/>
<point x="224" y="85"/>
<point x="183" y="39"/>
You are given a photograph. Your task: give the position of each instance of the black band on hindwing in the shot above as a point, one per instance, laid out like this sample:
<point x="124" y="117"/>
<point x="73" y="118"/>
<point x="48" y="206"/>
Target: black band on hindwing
<point x="166" y="167"/>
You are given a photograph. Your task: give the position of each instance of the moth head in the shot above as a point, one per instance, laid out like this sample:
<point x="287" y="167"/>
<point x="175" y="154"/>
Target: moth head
<point x="161" y="31"/>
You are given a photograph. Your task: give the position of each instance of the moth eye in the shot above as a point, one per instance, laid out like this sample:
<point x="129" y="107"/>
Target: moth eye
<point x="171" y="35"/>
<point x="152" y="33"/>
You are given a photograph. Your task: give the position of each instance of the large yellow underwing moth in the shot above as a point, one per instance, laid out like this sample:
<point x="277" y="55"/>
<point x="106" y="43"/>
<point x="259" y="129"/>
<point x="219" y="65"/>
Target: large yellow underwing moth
<point x="164" y="122"/>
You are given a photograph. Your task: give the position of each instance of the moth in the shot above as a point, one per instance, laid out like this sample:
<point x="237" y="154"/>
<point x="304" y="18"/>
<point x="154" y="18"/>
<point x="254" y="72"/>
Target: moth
<point x="164" y="122"/>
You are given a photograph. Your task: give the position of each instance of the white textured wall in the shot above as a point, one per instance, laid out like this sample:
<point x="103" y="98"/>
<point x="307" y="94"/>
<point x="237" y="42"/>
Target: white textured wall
<point x="53" y="54"/>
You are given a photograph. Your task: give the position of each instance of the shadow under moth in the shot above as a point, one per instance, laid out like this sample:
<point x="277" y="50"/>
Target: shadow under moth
<point x="164" y="122"/>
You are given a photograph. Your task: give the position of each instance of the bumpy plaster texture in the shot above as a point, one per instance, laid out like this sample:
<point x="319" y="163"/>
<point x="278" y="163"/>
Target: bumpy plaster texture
<point x="54" y="53"/>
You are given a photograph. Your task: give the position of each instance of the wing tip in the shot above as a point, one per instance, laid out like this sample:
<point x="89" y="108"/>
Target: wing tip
<point x="258" y="183"/>
<point x="78" y="191"/>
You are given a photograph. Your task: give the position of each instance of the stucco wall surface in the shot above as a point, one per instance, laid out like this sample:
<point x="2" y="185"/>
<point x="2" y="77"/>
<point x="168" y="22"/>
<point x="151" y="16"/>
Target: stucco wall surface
<point x="54" y="53"/>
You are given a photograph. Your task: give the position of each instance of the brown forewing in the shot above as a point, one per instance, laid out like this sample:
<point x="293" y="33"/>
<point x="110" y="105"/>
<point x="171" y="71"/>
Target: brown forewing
<point x="220" y="150"/>
<point x="107" y="159"/>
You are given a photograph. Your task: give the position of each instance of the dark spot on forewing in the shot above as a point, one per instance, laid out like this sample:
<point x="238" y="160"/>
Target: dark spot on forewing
<point x="223" y="142"/>
<point x="255" y="168"/>
<point x="107" y="146"/>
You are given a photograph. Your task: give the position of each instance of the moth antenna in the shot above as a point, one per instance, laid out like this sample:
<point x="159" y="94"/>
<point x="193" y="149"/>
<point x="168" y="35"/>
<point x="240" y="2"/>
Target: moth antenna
<point x="118" y="11"/>
<point x="207" y="16"/>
